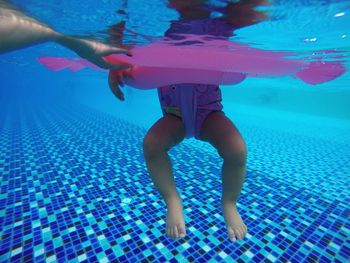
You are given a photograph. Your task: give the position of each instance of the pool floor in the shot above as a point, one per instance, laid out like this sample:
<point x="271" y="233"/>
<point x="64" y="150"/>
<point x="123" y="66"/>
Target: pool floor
<point x="74" y="188"/>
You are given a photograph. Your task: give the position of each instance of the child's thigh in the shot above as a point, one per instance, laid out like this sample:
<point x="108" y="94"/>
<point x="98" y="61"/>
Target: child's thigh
<point x="219" y="131"/>
<point x="167" y="132"/>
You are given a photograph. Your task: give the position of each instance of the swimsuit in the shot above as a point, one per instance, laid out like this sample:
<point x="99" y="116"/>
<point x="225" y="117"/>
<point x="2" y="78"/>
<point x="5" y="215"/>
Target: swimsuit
<point x="193" y="102"/>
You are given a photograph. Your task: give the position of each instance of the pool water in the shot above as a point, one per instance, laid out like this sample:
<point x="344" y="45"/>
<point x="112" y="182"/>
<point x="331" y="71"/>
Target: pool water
<point x="74" y="185"/>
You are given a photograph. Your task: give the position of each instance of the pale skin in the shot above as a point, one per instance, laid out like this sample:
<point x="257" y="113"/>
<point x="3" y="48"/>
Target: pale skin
<point x="169" y="131"/>
<point x="18" y="30"/>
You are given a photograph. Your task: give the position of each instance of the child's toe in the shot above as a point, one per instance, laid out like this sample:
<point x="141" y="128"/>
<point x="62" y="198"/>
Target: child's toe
<point x="239" y="233"/>
<point x="231" y="234"/>
<point x="176" y="232"/>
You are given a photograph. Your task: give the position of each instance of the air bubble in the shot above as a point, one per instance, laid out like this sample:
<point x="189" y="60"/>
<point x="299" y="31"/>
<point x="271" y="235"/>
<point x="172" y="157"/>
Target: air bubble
<point x="339" y="14"/>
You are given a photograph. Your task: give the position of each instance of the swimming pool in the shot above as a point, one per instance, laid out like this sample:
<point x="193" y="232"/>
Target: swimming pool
<point x="74" y="185"/>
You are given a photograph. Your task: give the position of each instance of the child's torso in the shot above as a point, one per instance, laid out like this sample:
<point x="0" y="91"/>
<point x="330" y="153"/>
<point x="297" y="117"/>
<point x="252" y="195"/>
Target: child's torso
<point x="206" y="96"/>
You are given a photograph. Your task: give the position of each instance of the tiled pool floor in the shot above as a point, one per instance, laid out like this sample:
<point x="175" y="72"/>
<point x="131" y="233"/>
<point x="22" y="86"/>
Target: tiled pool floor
<point x="74" y="187"/>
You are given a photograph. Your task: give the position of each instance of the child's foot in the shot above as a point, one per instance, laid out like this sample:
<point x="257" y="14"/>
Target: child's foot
<point x="235" y="226"/>
<point x="175" y="223"/>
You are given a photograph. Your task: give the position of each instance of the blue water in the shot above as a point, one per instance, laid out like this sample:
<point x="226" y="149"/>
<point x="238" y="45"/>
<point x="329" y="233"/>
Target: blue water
<point x="74" y="186"/>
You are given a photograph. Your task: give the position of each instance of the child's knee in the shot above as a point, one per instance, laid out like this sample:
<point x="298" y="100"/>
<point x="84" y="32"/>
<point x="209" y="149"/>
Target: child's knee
<point x="235" y="151"/>
<point x="151" y="145"/>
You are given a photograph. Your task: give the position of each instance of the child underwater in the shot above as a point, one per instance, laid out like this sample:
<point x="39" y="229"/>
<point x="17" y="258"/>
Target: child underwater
<point x="195" y="110"/>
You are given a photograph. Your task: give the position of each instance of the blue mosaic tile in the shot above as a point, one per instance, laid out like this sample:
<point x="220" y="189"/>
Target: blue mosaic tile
<point x="74" y="188"/>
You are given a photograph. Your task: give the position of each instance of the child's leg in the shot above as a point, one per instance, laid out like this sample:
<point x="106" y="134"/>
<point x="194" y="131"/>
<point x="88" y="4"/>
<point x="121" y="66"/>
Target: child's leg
<point x="218" y="130"/>
<point x="162" y="136"/>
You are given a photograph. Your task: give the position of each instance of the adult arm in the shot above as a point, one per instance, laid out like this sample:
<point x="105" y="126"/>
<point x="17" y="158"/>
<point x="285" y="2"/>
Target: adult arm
<point x="18" y="30"/>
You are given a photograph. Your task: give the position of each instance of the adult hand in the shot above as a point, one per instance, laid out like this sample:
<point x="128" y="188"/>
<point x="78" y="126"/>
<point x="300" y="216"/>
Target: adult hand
<point x="116" y="80"/>
<point x="94" y="51"/>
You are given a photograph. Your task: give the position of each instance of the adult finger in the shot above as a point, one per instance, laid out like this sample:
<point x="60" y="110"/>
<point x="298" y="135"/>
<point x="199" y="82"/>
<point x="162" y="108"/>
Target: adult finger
<point x="115" y="50"/>
<point x="103" y="63"/>
<point x="112" y="65"/>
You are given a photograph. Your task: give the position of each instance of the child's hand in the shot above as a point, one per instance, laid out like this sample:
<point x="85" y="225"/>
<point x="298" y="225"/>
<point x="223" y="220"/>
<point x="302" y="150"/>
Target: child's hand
<point x="116" y="80"/>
